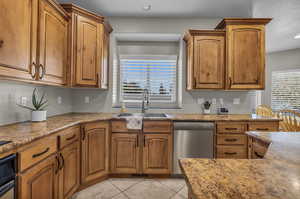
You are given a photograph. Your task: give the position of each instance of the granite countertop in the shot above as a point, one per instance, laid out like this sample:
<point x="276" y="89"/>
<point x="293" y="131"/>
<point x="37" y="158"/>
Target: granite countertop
<point x="275" y="176"/>
<point x="26" y="132"/>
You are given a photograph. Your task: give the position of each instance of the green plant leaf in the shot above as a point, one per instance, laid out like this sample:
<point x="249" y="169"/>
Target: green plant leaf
<point x="26" y="107"/>
<point x="42" y="104"/>
<point x="34" y="102"/>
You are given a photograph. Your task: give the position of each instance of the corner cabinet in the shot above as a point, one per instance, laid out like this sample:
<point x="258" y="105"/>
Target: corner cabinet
<point x="88" y="49"/>
<point x="94" y="151"/>
<point x="206" y="59"/>
<point x="33" y="46"/>
<point x="231" y="57"/>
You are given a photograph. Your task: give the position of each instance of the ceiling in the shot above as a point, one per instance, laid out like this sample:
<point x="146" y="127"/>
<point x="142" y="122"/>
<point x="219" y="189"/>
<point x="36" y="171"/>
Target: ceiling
<point x="169" y="8"/>
<point x="280" y="32"/>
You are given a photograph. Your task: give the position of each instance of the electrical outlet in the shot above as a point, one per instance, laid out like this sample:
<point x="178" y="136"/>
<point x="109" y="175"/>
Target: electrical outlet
<point x="221" y="101"/>
<point x="59" y="100"/>
<point x="23" y="101"/>
<point x="200" y="100"/>
<point x="236" y="101"/>
<point x="214" y="101"/>
<point x="87" y="99"/>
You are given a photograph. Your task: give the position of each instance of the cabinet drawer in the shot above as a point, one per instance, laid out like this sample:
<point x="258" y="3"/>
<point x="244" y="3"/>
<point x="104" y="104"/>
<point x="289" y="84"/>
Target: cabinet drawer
<point x="157" y="126"/>
<point x="232" y="152"/>
<point x="224" y="139"/>
<point x="37" y="152"/>
<point x="230" y="127"/>
<point x="263" y="126"/>
<point x="68" y="136"/>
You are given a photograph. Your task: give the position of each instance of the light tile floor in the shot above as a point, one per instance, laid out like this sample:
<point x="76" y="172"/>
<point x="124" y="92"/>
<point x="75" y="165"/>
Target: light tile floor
<point x="136" y="188"/>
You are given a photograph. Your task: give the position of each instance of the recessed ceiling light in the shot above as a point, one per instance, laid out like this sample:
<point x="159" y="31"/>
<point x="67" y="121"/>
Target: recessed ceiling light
<point x="147" y="7"/>
<point x="297" y="36"/>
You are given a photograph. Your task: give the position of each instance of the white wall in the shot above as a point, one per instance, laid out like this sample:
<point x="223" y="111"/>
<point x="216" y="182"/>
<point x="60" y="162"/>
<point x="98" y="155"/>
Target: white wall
<point x="277" y="61"/>
<point x="102" y="100"/>
<point x="11" y="92"/>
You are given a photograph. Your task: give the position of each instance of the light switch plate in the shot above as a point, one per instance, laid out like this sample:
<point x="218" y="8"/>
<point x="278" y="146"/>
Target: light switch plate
<point x="23" y="101"/>
<point x="221" y="101"/>
<point x="59" y="100"/>
<point x="236" y="101"/>
<point x="200" y="100"/>
<point x="214" y="101"/>
<point x="87" y="99"/>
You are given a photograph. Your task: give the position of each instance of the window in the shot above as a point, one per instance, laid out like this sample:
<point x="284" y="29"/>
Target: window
<point x="156" y="73"/>
<point x="286" y="90"/>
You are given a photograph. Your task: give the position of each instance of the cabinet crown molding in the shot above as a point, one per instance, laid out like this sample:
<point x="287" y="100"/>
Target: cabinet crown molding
<point x="193" y="32"/>
<point x="73" y="8"/>
<point x="242" y="21"/>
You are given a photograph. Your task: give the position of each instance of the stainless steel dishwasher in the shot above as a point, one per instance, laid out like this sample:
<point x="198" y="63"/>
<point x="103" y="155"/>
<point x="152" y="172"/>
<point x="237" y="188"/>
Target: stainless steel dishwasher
<point x="192" y="140"/>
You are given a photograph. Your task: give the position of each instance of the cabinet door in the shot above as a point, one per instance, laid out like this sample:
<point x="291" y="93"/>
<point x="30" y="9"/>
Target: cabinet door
<point x="53" y="44"/>
<point x="157" y="154"/>
<point x="88" y="52"/>
<point x="125" y="153"/>
<point x="105" y="60"/>
<point x="209" y="62"/>
<point x="246" y="56"/>
<point x="18" y="38"/>
<point x="95" y="152"/>
<point x="69" y="177"/>
<point x="40" y="181"/>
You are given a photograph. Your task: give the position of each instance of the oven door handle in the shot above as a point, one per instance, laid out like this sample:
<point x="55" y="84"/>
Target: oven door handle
<point x="8" y="158"/>
<point x="6" y="187"/>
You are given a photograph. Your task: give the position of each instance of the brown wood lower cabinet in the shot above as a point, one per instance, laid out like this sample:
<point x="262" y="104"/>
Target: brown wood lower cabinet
<point x="40" y="181"/>
<point x="69" y="175"/>
<point x="95" y="151"/>
<point x="125" y="153"/>
<point x="157" y="154"/>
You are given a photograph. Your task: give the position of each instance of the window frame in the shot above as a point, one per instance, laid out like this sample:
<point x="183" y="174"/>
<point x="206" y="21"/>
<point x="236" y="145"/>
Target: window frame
<point x="152" y="105"/>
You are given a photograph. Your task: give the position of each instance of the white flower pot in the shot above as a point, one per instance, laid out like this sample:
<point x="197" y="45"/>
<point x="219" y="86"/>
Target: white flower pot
<point x="207" y="111"/>
<point x="38" y="116"/>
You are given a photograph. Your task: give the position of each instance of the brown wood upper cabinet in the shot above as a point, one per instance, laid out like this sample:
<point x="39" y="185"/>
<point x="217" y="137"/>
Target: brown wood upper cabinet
<point x="245" y="52"/>
<point x="89" y="42"/>
<point x="32" y="25"/>
<point x="206" y="60"/>
<point x="230" y="57"/>
<point x="94" y="151"/>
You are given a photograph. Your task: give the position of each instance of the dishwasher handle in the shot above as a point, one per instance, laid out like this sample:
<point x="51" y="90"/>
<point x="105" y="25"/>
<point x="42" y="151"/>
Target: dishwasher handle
<point x="194" y="126"/>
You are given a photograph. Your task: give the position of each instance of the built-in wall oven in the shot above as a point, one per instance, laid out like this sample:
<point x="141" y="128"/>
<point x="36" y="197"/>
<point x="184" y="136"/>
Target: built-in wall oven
<point x="8" y="177"/>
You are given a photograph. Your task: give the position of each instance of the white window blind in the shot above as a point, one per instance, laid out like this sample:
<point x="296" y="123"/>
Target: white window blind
<point x="157" y="74"/>
<point x="286" y="90"/>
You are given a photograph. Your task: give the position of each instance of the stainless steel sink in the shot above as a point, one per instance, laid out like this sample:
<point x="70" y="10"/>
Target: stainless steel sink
<point x="146" y="115"/>
<point x="155" y="115"/>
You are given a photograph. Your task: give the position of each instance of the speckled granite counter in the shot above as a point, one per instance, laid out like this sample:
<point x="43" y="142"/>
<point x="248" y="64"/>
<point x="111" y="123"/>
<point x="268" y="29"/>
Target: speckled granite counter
<point x="276" y="176"/>
<point x="25" y="132"/>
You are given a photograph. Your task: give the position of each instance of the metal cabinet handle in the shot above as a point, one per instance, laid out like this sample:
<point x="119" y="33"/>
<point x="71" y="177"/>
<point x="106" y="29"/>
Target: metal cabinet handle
<point x="57" y="164"/>
<point x="262" y="129"/>
<point x="41" y="76"/>
<point x="62" y="161"/>
<point x="231" y="140"/>
<point x="230" y="82"/>
<point x="230" y="129"/>
<point x="258" y="155"/>
<point x="41" y="153"/>
<point x="1" y="43"/>
<point x="70" y="138"/>
<point x="230" y="153"/>
<point x="33" y="70"/>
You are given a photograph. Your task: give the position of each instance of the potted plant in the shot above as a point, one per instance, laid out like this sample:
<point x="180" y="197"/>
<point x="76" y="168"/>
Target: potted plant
<point x="38" y="112"/>
<point x="206" y="106"/>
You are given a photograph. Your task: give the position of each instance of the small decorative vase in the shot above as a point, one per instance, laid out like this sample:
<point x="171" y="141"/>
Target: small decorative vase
<point x="38" y="116"/>
<point x="207" y="111"/>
